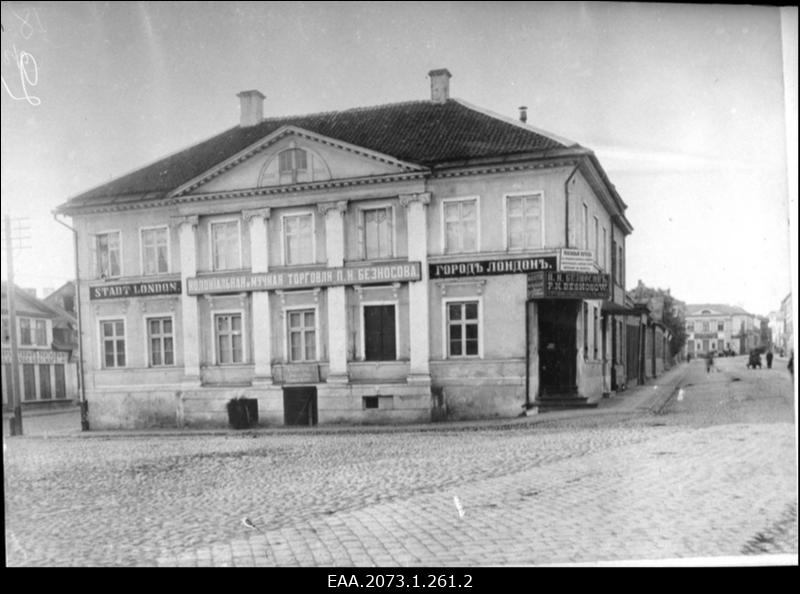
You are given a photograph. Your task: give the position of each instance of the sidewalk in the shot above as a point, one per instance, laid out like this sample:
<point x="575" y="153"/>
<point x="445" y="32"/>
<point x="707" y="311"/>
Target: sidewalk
<point x="650" y="397"/>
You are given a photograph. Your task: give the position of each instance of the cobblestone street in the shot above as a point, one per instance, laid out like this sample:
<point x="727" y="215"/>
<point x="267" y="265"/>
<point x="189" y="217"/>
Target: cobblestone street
<point x="710" y="471"/>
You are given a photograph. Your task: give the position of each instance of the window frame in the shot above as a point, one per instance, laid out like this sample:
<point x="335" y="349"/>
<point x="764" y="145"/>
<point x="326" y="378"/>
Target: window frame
<point x="284" y="253"/>
<point x="443" y="226"/>
<point x="446" y="302"/>
<point x="97" y="271"/>
<point x="147" y="347"/>
<point x="287" y="343"/>
<point x="543" y="238"/>
<point x="363" y="337"/>
<point x="362" y="228"/>
<point x="222" y="221"/>
<point x="294" y="169"/>
<point x="101" y="343"/>
<point x="142" y="258"/>
<point x="215" y="337"/>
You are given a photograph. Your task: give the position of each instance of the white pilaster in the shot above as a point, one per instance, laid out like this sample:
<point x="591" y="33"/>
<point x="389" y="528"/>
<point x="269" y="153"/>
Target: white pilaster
<point x="337" y="309"/>
<point x="262" y="315"/>
<point x="187" y="228"/>
<point x="418" y="308"/>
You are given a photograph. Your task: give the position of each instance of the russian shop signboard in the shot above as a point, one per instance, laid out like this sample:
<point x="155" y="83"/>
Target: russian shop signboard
<point x="302" y="279"/>
<point x="492" y="267"/>
<point x="146" y="289"/>
<point x="577" y="261"/>
<point x="568" y="285"/>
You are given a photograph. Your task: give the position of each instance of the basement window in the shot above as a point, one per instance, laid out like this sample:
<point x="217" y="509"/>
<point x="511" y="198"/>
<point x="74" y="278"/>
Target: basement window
<point x="378" y="402"/>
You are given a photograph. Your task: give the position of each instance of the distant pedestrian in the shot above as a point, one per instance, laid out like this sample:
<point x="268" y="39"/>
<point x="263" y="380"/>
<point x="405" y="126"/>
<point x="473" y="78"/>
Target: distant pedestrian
<point x="769" y="359"/>
<point x="709" y="361"/>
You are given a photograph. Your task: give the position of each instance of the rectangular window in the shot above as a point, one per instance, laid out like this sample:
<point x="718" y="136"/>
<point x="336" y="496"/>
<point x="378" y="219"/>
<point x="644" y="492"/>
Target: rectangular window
<point x="585" y="330"/>
<point x="28" y="382"/>
<point x="26" y="331"/>
<point x="595" y="331"/>
<point x="160" y="342"/>
<point x="302" y="337"/>
<point x="460" y="225"/>
<point x="462" y="329"/>
<point x="155" y="251"/>
<point x="41" y="333"/>
<point x="229" y="338"/>
<point x="378" y="238"/>
<point x="705" y="326"/>
<point x="585" y="227"/>
<point x="596" y="240"/>
<point x="690" y="327"/>
<point x="61" y="381"/>
<point x="225" y="245"/>
<point x="614" y="261"/>
<point x="621" y="267"/>
<point x="721" y="326"/>
<point x="109" y="260"/>
<point x="6" y="330"/>
<point x="298" y="239"/>
<point x="604" y="247"/>
<point x="524" y="222"/>
<point x="112" y="335"/>
<point x="379" y="333"/>
<point x="7" y="383"/>
<point x="45" y="392"/>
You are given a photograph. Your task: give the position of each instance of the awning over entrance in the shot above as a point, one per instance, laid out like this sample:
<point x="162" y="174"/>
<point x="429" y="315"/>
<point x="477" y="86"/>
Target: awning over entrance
<point x="609" y="307"/>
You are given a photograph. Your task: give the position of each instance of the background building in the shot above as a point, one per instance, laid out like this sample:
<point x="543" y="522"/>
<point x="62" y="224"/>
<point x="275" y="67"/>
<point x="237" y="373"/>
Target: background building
<point x="47" y="370"/>
<point x="395" y="263"/>
<point x="722" y="329"/>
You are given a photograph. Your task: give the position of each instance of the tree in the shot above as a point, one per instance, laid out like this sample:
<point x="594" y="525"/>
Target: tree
<point x="666" y="309"/>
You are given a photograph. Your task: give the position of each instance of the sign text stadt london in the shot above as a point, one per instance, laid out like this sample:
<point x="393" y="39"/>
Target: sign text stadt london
<point x="568" y="285"/>
<point x="146" y="289"/>
<point x="301" y="279"/>
<point x="492" y="267"/>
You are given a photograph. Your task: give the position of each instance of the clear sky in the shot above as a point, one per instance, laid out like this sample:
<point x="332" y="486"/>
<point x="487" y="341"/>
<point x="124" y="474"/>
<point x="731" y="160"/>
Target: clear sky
<point x="683" y="104"/>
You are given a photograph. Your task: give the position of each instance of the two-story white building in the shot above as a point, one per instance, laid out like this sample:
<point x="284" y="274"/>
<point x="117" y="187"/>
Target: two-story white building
<point x="720" y="328"/>
<point x="397" y="263"/>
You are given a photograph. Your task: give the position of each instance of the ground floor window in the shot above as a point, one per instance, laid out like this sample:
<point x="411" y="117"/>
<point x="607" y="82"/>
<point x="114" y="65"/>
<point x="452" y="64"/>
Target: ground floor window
<point x="29" y="381"/>
<point x="45" y="392"/>
<point x="462" y="329"/>
<point x="61" y="381"/>
<point x="229" y="338"/>
<point x="302" y="335"/>
<point x="379" y="333"/>
<point x="113" y="336"/>
<point x="160" y="341"/>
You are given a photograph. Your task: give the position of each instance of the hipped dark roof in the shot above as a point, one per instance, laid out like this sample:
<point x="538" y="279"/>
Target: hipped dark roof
<point x="420" y="132"/>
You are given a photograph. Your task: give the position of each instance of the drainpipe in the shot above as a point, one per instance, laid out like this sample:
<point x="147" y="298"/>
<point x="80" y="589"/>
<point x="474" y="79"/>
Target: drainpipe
<point x="81" y="377"/>
<point x="566" y="205"/>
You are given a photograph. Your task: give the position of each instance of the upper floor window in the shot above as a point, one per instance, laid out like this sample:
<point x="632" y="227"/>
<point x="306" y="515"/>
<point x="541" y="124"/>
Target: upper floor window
<point x="705" y="326"/>
<point x="596" y="240"/>
<point x="690" y="326"/>
<point x="6" y="330"/>
<point x="108" y="250"/>
<point x="378" y="227"/>
<point x="32" y="332"/>
<point x="225" y="245"/>
<point x="298" y="239"/>
<point x="524" y="222"/>
<point x="155" y="251"/>
<point x="604" y="247"/>
<point x="460" y="221"/>
<point x="585" y="225"/>
<point x="293" y="166"/>
<point x="721" y="326"/>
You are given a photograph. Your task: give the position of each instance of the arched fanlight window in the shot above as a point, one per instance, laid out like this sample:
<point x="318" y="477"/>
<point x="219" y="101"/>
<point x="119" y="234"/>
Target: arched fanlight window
<point x="293" y="166"/>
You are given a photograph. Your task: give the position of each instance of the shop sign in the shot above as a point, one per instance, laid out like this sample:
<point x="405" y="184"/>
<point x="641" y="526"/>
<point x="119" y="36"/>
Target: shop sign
<point x="365" y="274"/>
<point x="576" y="261"/>
<point x="492" y="267"/>
<point x="568" y="285"/>
<point x="37" y="357"/>
<point x="705" y="335"/>
<point x="146" y="289"/>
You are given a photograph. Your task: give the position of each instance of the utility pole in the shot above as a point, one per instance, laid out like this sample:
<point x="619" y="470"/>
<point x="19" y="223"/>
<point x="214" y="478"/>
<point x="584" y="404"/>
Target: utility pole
<point x="18" y="234"/>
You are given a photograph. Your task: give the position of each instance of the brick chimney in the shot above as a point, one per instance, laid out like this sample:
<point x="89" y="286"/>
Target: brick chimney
<point x="523" y="113"/>
<point x="252" y="108"/>
<point x="440" y="85"/>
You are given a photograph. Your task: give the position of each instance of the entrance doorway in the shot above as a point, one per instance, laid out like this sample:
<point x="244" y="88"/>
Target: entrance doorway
<point x="300" y="405"/>
<point x="557" y="346"/>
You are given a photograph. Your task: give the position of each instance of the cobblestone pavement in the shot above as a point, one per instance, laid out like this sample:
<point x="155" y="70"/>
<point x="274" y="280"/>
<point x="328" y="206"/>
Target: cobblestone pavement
<point x="713" y="474"/>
